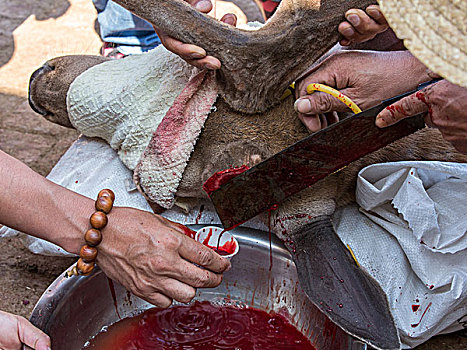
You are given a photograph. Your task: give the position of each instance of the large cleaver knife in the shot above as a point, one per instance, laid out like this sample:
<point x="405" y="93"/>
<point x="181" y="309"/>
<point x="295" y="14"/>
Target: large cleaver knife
<point x="328" y="275"/>
<point x="307" y="161"/>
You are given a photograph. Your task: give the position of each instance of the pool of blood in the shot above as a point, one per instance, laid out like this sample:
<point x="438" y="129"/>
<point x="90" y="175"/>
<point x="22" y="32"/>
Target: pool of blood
<point x="202" y="326"/>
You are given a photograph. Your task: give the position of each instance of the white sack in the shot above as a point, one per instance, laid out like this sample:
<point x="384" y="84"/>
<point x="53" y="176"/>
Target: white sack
<point x="410" y="235"/>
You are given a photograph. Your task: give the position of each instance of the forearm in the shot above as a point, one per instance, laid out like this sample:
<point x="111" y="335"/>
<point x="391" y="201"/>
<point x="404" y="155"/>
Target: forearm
<point x="34" y="205"/>
<point x="405" y="70"/>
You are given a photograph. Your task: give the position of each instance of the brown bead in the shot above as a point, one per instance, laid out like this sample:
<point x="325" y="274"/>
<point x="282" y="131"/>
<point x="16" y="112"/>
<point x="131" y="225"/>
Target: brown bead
<point x="84" y="268"/>
<point x="107" y="193"/>
<point x="98" y="220"/>
<point x="87" y="253"/>
<point x="104" y="204"/>
<point x="93" y="237"/>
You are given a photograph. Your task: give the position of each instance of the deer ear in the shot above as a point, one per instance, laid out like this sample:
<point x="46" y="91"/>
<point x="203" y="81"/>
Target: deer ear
<point x="257" y="66"/>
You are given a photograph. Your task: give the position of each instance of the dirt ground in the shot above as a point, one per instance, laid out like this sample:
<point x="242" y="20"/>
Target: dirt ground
<point x="31" y="32"/>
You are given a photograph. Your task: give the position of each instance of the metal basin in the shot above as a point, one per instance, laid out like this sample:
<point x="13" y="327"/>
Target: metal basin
<point x="72" y="310"/>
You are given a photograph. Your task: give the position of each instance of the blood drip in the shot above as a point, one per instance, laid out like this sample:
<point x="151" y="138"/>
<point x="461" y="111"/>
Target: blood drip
<point x="226" y="249"/>
<point x="274" y="207"/>
<point x="114" y="296"/>
<point x="202" y="326"/>
<point x="201" y="209"/>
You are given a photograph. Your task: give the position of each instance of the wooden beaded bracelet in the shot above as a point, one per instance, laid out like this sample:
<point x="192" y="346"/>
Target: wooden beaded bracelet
<point x="93" y="236"/>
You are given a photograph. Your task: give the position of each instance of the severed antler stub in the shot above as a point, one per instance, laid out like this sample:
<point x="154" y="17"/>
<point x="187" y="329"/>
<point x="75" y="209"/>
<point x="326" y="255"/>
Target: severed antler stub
<point x="257" y="66"/>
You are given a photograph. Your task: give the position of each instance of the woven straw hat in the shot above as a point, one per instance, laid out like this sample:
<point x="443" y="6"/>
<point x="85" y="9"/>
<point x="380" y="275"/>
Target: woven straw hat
<point x="435" y="31"/>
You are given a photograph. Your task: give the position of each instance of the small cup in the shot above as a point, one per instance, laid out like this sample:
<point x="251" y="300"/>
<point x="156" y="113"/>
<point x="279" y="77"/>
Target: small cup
<point x="209" y="236"/>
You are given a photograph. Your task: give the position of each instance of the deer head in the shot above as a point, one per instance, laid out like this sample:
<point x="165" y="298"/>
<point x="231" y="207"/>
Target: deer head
<point x="257" y="66"/>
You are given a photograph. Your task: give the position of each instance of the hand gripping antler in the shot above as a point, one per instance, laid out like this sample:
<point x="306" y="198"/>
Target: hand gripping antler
<point x="257" y="66"/>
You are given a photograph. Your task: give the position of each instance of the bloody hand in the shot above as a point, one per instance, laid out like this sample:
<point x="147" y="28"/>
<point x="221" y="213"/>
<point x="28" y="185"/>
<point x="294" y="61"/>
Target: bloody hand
<point x="153" y="258"/>
<point x="445" y="105"/>
<point x="367" y="77"/>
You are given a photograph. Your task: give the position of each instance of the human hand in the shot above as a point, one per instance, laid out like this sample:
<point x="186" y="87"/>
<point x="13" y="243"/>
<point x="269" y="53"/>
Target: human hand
<point x="154" y="258"/>
<point x="17" y="331"/>
<point x="362" y="25"/>
<point x="366" y="77"/>
<point x="193" y="54"/>
<point x="445" y="105"/>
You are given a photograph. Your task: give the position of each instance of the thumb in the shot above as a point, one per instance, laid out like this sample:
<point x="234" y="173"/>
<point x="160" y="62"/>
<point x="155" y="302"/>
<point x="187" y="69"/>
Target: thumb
<point x="319" y="103"/>
<point x="32" y="336"/>
<point x="407" y="107"/>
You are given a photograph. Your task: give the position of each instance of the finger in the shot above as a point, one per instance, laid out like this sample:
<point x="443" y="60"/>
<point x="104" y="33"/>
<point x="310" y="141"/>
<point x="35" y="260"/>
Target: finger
<point x="323" y="73"/>
<point x="319" y="103"/>
<point x="312" y="122"/>
<point x="229" y="18"/>
<point x="332" y="118"/>
<point x="406" y="107"/>
<point x="324" y="121"/>
<point x="193" y="54"/>
<point x="196" y="276"/>
<point x="347" y="31"/>
<point x="177" y="290"/>
<point x="201" y="5"/>
<point x="203" y="256"/>
<point x="32" y="336"/>
<point x="209" y="63"/>
<point x="361" y="27"/>
<point x="155" y="298"/>
<point x="345" y="42"/>
<point x="362" y="22"/>
<point x="374" y="12"/>
<point x="186" y="51"/>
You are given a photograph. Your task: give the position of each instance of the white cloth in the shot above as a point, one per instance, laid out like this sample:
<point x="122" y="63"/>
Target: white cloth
<point x="428" y="195"/>
<point x="124" y="101"/>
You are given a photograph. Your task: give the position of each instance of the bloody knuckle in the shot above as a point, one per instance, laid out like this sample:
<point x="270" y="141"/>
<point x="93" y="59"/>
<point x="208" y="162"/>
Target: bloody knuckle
<point x="189" y="295"/>
<point x="205" y="257"/>
<point x="161" y="301"/>
<point x="172" y="241"/>
<point x="139" y="290"/>
<point x="408" y="107"/>
<point x="160" y="264"/>
<point x="201" y="280"/>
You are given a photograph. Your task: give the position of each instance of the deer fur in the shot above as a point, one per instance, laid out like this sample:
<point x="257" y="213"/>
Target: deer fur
<point x="257" y="66"/>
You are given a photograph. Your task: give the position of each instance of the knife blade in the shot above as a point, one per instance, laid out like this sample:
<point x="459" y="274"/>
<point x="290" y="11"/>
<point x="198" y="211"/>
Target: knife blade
<point x="308" y="161"/>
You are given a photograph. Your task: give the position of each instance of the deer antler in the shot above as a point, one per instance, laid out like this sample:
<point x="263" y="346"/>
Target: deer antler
<point x="257" y="66"/>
